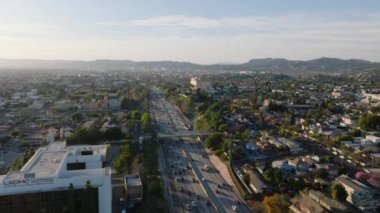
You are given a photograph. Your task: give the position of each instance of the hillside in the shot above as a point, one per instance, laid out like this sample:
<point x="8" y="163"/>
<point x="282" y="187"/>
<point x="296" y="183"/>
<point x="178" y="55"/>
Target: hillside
<point x="268" y="64"/>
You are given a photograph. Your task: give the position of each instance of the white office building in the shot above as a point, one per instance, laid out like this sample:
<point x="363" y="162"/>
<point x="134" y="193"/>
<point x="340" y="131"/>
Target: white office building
<point x="42" y="183"/>
<point x="198" y="83"/>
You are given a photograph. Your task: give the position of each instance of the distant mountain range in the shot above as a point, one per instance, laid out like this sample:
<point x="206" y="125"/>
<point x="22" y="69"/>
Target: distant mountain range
<point x="278" y="65"/>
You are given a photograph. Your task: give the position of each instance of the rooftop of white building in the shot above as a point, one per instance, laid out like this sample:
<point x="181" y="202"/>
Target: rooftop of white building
<point x="50" y="162"/>
<point x="353" y="184"/>
<point x="133" y="180"/>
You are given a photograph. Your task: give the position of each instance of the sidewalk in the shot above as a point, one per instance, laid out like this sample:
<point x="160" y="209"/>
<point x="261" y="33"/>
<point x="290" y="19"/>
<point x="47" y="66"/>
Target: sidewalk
<point x="221" y="167"/>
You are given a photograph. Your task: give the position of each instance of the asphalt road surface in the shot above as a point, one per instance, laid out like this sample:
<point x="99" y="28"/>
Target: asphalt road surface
<point x="182" y="158"/>
<point x="226" y="197"/>
<point x="185" y="190"/>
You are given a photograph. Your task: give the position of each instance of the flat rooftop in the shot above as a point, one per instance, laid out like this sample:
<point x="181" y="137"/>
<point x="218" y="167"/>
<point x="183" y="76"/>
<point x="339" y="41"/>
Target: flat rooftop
<point x="133" y="180"/>
<point x="354" y="184"/>
<point x="46" y="162"/>
<point x="333" y="204"/>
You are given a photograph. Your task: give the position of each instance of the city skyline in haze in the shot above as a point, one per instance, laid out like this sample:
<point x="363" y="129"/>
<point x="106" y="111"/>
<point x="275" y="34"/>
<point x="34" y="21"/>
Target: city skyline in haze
<point x="206" y="33"/>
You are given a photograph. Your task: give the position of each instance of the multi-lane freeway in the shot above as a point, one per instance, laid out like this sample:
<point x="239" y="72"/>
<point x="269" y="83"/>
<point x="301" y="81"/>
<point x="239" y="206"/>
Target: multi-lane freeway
<point x="192" y="182"/>
<point x="186" y="193"/>
<point x="223" y="195"/>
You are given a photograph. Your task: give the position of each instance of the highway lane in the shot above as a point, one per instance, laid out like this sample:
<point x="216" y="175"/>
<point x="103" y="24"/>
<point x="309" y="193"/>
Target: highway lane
<point x="176" y="161"/>
<point x="226" y="197"/>
<point x="168" y="192"/>
<point x="178" y="156"/>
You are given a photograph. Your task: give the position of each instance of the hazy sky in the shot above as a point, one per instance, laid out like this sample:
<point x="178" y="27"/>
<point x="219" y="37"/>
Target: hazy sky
<point x="201" y="31"/>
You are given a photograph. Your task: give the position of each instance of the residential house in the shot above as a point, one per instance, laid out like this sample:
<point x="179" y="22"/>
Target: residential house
<point x="302" y="203"/>
<point x="293" y="146"/>
<point x="359" y="195"/>
<point x="255" y="183"/>
<point x="329" y="203"/>
<point x="283" y="165"/>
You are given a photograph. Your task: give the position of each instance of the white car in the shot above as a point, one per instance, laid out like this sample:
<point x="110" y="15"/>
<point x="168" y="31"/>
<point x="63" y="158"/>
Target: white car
<point x="203" y="179"/>
<point x="188" y="207"/>
<point x="194" y="203"/>
<point x="235" y="208"/>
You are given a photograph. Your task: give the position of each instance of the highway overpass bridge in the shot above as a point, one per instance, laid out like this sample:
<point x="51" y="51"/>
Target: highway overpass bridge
<point x="182" y="134"/>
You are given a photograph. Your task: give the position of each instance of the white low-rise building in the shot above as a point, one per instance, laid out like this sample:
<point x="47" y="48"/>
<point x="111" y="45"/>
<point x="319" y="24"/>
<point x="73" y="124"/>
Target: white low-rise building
<point x="198" y="83"/>
<point x="42" y="183"/>
<point x="372" y="138"/>
<point x="359" y="195"/>
<point x="293" y="146"/>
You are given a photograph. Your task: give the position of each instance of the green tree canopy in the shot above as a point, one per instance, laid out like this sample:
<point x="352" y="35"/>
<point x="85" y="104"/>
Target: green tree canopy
<point x="273" y="176"/>
<point x="223" y="128"/>
<point x="113" y="133"/>
<point x="24" y="144"/>
<point x="135" y="114"/>
<point x="121" y="163"/>
<point x="276" y="203"/>
<point x="322" y="173"/>
<point x="77" y="116"/>
<point x="85" y="136"/>
<point x="145" y="121"/>
<point x="214" y="141"/>
<point x="369" y="122"/>
<point x="339" y="192"/>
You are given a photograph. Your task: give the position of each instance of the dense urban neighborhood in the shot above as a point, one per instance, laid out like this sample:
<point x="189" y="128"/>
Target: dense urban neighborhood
<point x="164" y="140"/>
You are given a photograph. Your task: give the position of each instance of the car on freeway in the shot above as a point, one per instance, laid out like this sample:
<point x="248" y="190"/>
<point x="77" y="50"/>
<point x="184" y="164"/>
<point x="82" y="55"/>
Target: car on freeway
<point x="188" y="206"/>
<point x="194" y="203"/>
<point x="235" y="208"/>
<point x="122" y="202"/>
<point x="203" y="179"/>
<point x="197" y="197"/>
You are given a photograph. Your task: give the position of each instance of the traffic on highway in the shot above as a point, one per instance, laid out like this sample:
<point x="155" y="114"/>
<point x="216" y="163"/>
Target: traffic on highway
<point x="193" y="184"/>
